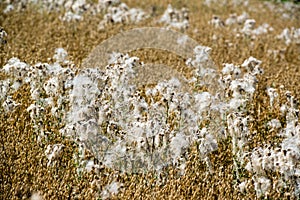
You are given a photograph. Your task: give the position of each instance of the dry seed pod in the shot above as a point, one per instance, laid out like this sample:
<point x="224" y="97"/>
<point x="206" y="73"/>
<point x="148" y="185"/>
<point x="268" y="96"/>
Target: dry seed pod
<point x="3" y="36"/>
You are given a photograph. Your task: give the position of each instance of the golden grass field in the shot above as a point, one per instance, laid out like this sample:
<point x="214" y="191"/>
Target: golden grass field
<point x="33" y="37"/>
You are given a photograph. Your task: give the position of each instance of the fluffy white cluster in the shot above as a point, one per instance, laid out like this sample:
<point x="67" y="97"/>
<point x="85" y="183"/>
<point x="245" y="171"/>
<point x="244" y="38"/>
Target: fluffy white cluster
<point x="9" y="104"/>
<point x="204" y="71"/>
<point x="174" y="18"/>
<point x="236" y="19"/>
<point x="291" y="35"/>
<point x="217" y="22"/>
<point x="273" y="94"/>
<point x="49" y="85"/>
<point x="238" y="85"/>
<point x="114" y="10"/>
<point x="3" y="36"/>
<point x="232" y="20"/>
<point x="279" y="158"/>
<point x="138" y="131"/>
<point x="283" y="159"/>
<point x="249" y="25"/>
<point x="9" y="86"/>
<point x="250" y="30"/>
<point x="125" y="127"/>
<point x="239" y="82"/>
<point x="73" y="6"/>
<point x="61" y="56"/>
<point x="121" y="13"/>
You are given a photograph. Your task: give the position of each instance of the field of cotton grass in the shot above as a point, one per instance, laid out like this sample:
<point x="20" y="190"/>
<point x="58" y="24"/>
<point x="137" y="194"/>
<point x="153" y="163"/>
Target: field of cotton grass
<point x="221" y="124"/>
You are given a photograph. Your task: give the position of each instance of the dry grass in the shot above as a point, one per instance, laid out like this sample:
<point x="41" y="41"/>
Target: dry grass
<point x="33" y="38"/>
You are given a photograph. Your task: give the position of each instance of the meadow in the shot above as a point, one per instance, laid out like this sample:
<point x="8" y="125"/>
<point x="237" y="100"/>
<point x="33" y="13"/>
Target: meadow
<point x="220" y="124"/>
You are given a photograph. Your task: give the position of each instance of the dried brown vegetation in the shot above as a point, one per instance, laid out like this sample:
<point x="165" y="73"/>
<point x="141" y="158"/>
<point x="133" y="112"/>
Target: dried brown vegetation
<point x="33" y="37"/>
